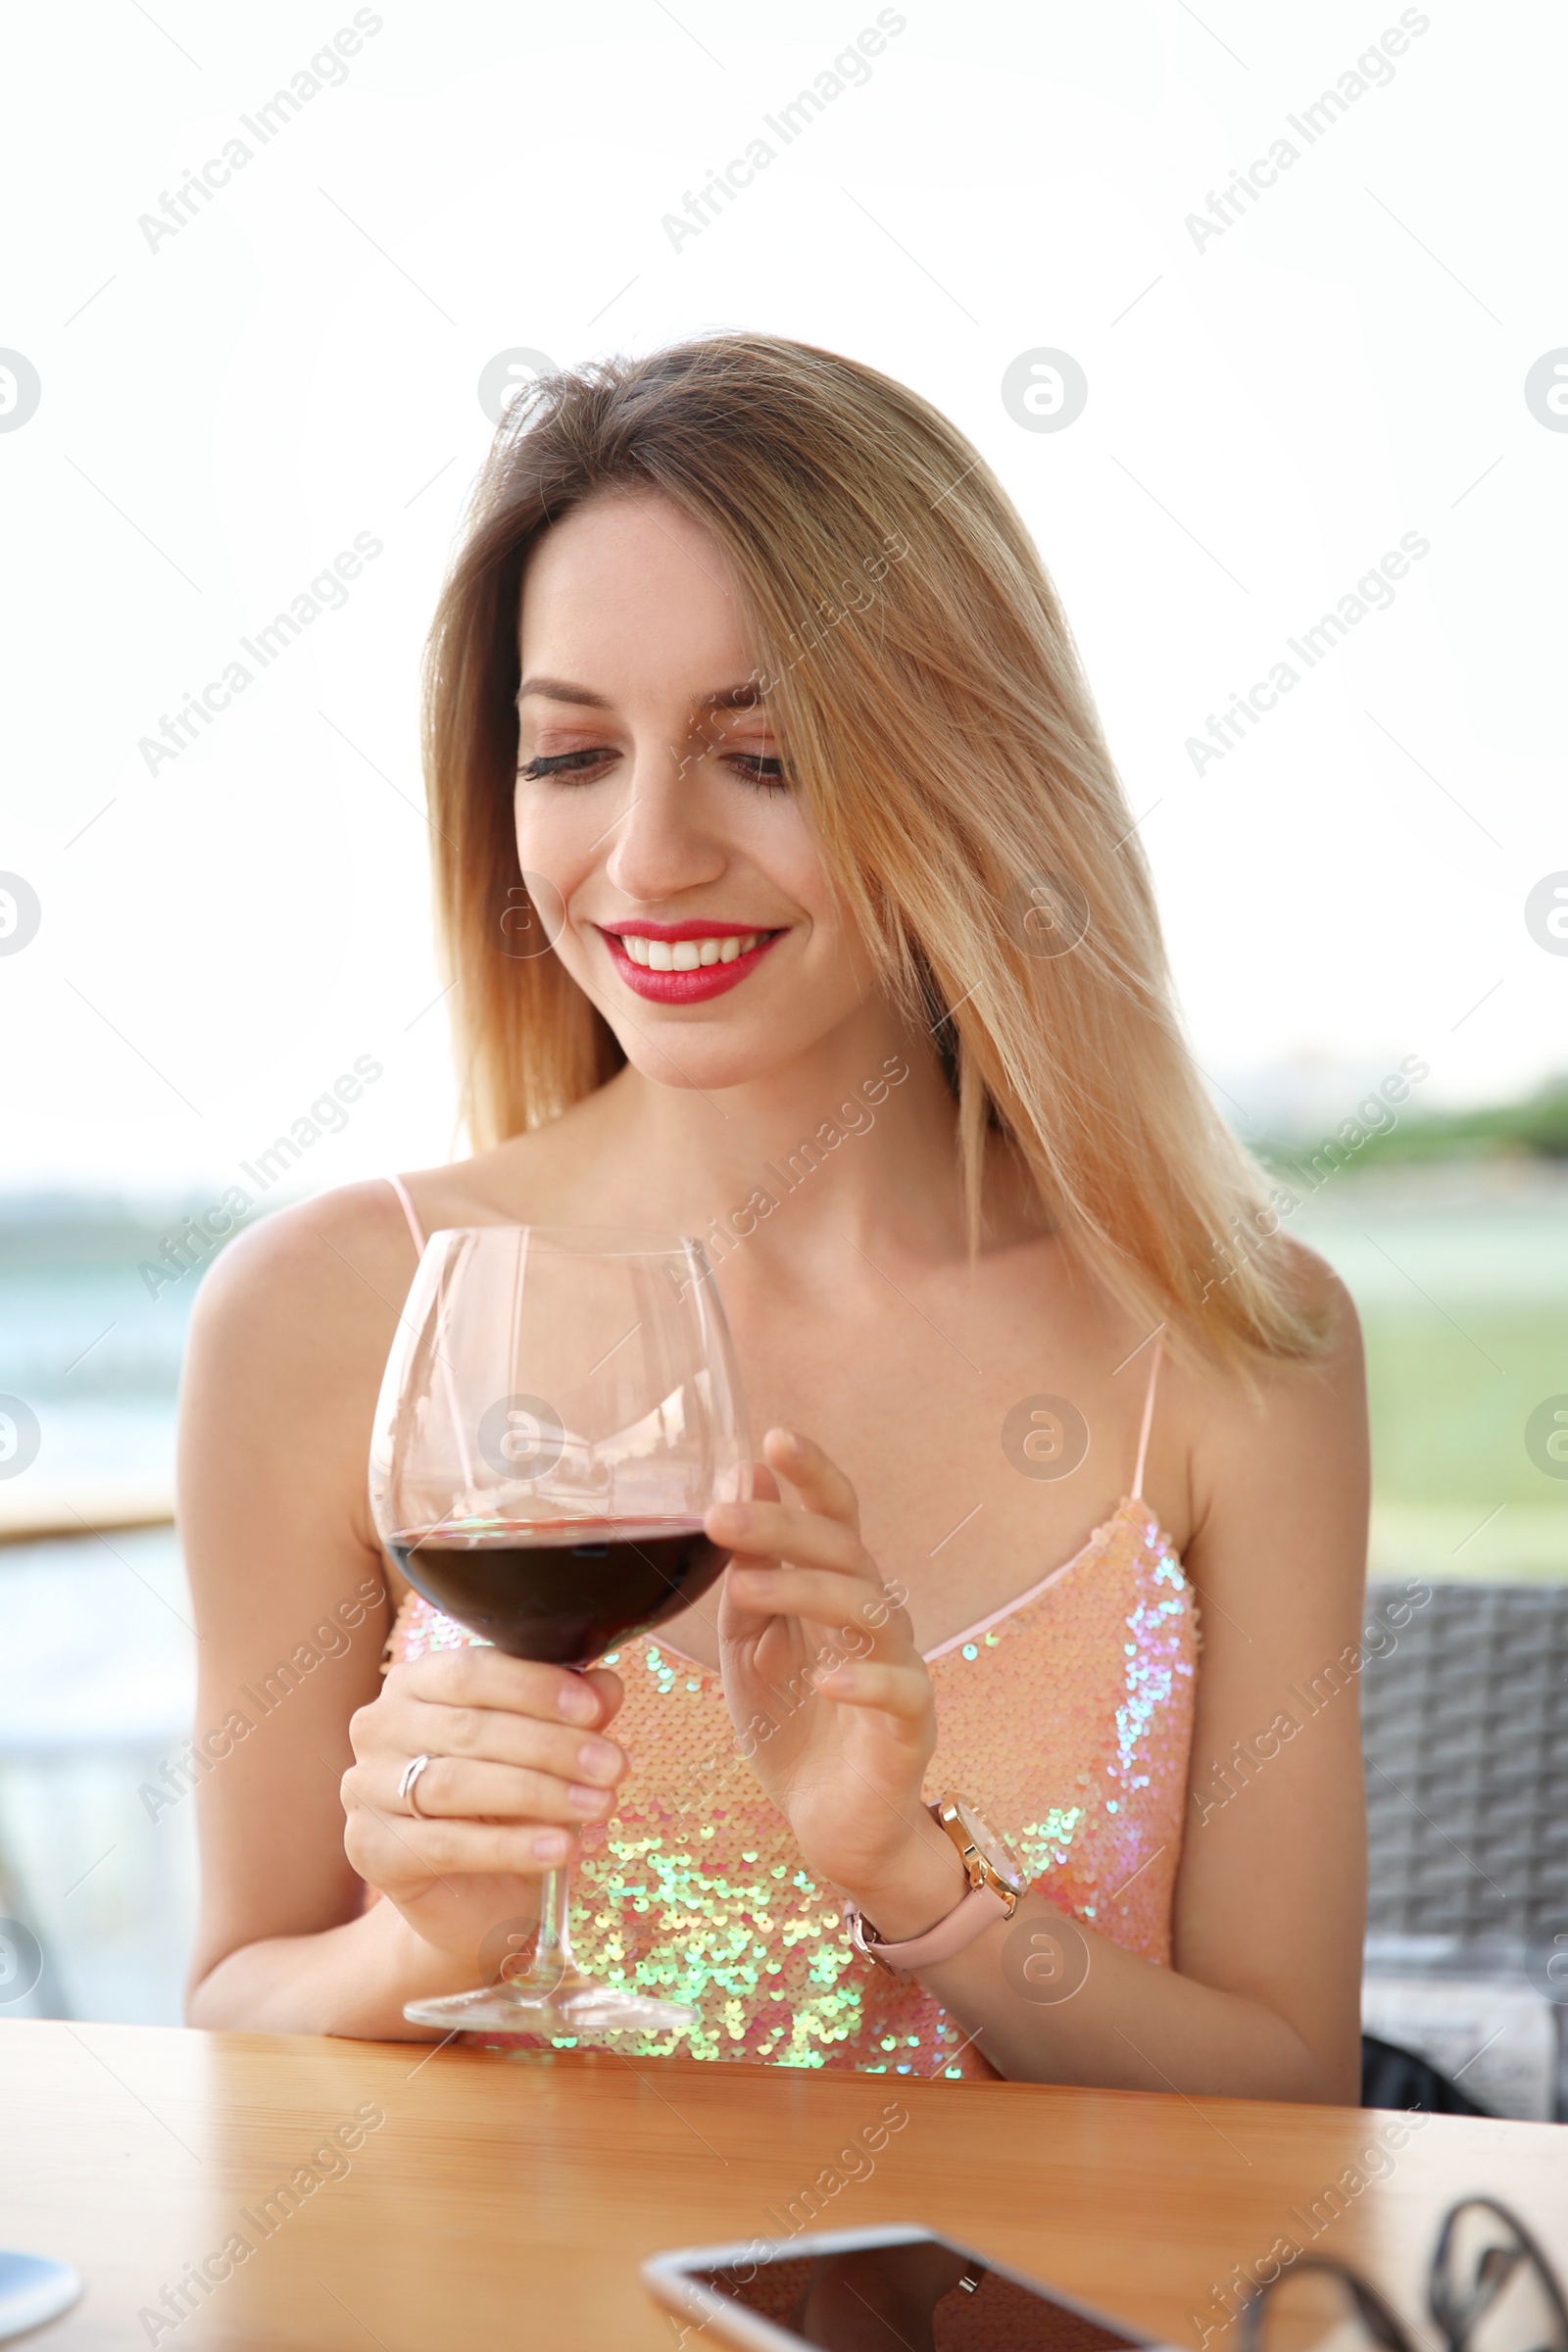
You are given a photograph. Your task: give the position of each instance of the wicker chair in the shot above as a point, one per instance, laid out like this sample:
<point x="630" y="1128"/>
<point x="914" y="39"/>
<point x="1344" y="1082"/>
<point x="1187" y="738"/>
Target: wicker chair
<point x="1465" y="1739"/>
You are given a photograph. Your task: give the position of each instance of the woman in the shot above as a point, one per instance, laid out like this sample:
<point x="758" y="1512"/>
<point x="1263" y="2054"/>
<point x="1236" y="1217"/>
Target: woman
<point x="836" y="948"/>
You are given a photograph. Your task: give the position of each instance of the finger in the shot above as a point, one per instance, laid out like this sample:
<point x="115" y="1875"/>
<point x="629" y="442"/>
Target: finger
<point x="486" y="1735"/>
<point x="737" y="1619"/>
<point x="461" y="1788"/>
<point x="397" y="1852"/>
<point x="902" y="1691"/>
<point x="611" y="1690"/>
<point x="479" y="1676"/>
<point x="778" y="1531"/>
<point x="822" y="1597"/>
<point x="813" y="1475"/>
<point x="726" y="1526"/>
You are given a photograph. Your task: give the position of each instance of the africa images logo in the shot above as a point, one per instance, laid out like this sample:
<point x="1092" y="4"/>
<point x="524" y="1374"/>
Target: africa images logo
<point x="20" y="390"/>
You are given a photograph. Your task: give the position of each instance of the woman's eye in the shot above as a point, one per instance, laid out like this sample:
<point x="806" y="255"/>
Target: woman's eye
<point x="561" y="763"/>
<point x="761" y="768"/>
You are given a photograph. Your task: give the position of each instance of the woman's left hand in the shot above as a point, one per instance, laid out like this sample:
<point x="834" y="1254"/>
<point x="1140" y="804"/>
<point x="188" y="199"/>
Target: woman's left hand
<point x="831" y="1702"/>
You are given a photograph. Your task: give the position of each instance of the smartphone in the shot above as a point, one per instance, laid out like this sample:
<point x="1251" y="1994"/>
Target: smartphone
<point x="894" y="2289"/>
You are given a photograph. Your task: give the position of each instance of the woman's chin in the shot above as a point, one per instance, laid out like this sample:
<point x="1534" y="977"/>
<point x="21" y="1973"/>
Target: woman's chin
<point x="737" y="1037"/>
<point x="724" y="1043"/>
<point x="706" y="1057"/>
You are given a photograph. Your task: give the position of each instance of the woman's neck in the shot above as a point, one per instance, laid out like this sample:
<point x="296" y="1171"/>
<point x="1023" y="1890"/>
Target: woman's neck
<point x="859" y="1136"/>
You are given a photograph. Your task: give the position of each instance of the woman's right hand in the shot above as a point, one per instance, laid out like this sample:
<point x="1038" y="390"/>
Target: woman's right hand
<point x="519" y="1764"/>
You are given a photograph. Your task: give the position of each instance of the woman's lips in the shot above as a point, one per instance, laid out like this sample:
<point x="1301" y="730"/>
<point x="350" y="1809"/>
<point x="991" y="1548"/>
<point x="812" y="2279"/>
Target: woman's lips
<point x="688" y="987"/>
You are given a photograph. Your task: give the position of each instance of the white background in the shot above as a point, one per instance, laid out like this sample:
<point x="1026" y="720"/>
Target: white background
<point x="1266" y="416"/>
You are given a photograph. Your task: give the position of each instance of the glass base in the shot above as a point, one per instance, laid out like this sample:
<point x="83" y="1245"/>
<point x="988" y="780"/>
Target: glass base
<point x="552" y="2003"/>
<point x="550" y="1993"/>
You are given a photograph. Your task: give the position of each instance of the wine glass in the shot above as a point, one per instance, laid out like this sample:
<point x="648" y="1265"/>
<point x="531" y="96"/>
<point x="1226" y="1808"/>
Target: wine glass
<point x="560" y="1409"/>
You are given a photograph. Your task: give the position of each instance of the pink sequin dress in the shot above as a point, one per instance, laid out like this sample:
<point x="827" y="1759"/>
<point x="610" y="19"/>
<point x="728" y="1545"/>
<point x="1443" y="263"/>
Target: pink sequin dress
<point x="1066" y="1717"/>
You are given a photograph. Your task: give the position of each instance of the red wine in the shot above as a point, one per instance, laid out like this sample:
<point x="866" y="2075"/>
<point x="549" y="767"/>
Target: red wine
<point x="561" y="1590"/>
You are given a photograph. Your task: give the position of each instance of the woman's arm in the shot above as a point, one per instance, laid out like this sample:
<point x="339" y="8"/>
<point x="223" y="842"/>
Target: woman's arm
<point x="288" y="1339"/>
<point x="1264" y="1999"/>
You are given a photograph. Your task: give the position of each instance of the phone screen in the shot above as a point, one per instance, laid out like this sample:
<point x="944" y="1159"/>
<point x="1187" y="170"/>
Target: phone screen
<point x="920" y="2296"/>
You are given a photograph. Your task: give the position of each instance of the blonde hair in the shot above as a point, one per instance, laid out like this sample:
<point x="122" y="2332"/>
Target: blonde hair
<point x="942" y="733"/>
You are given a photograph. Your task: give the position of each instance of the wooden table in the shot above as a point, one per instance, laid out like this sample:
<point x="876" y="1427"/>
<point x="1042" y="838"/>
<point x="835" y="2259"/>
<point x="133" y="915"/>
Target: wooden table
<point x="506" y="2201"/>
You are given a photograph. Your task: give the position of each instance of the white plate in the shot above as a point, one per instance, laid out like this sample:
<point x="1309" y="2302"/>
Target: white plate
<point x="34" y="2289"/>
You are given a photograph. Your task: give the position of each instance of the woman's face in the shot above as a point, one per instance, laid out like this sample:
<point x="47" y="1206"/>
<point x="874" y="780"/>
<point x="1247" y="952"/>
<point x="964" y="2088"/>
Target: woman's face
<point x="699" y="913"/>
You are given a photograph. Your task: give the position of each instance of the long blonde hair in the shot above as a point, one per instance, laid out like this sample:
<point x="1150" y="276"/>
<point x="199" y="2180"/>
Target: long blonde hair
<point x="940" y="728"/>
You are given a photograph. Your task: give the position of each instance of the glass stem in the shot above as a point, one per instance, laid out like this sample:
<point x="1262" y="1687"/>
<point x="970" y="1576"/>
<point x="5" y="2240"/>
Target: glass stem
<point x="553" y="1956"/>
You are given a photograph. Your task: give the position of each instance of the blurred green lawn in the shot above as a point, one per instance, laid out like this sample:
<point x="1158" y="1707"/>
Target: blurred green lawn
<point x="1461" y="1276"/>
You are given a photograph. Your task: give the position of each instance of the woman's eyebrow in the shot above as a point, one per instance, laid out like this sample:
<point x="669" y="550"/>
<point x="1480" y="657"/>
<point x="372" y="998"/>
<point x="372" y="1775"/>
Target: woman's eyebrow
<point x="561" y="690"/>
<point x="747" y="696"/>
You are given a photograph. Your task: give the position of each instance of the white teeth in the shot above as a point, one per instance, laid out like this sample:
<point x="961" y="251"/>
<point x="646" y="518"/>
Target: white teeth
<point x="687" y="954"/>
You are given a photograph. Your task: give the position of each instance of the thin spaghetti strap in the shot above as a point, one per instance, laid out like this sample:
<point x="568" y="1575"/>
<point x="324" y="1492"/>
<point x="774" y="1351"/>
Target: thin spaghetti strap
<point x="1149" y="1423"/>
<point x="401" y="1192"/>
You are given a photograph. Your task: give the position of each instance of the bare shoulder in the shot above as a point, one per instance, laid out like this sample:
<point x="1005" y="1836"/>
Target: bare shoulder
<point x="1232" y="1404"/>
<point x="1335" y="1375"/>
<point x="313" y="1292"/>
<point x="327" y="1266"/>
<point x="1291" y="1441"/>
<point x="291" y="1329"/>
<point x="1328" y="1300"/>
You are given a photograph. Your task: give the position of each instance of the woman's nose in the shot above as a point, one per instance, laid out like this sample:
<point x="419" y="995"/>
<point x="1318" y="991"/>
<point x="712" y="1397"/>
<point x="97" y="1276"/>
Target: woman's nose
<point x="661" y="844"/>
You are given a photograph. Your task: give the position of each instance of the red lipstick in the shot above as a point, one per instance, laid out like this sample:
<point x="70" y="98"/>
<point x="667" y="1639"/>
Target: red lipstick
<point x="693" y="987"/>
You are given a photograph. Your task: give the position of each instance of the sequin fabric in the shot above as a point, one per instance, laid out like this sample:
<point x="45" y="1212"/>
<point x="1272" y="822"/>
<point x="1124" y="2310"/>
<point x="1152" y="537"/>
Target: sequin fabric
<point x="1066" y="1720"/>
